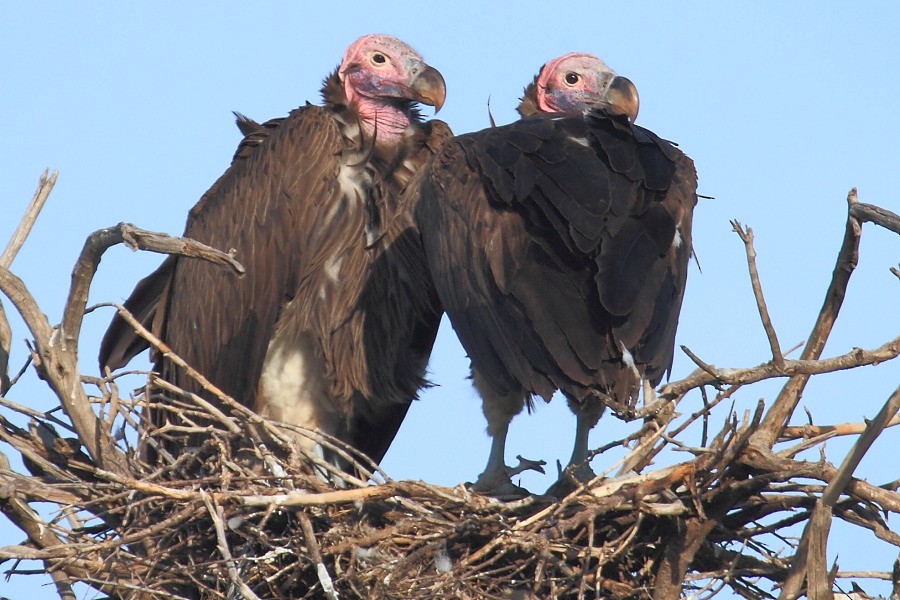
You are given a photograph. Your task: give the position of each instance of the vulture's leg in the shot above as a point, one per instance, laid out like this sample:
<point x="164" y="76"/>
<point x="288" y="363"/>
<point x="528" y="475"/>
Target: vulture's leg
<point x="584" y="422"/>
<point x="587" y="413"/>
<point x="499" y="410"/>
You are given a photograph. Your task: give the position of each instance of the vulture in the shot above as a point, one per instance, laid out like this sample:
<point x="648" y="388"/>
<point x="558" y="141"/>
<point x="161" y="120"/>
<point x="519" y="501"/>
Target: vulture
<point x="333" y="322"/>
<point x="559" y="247"/>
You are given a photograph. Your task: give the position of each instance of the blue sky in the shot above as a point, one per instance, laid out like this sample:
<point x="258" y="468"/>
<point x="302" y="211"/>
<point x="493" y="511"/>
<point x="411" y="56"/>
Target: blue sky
<point x="782" y="107"/>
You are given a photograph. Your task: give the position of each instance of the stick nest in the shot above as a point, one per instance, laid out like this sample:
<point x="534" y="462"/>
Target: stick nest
<point x="248" y="514"/>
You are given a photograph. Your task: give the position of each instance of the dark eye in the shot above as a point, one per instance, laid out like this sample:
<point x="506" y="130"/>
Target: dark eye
<point x="379" y="58"/>
<point x="572" y="78"/>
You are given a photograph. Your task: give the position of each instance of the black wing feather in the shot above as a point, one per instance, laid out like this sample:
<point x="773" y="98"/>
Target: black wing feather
<point x="557" y="243"/>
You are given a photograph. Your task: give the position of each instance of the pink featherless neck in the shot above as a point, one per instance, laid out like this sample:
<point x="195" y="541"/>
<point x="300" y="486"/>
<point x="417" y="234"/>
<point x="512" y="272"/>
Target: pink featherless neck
<point x="383" y="121"/>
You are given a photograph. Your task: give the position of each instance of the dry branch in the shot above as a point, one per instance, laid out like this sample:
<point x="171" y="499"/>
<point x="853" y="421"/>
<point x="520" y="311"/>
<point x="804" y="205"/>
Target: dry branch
<point x="45" y="185"/>
<point x="125" y="233"/>
<point x="746" y="236"/>
<point x="876" y="214"/>
<point x="710" y="375"/>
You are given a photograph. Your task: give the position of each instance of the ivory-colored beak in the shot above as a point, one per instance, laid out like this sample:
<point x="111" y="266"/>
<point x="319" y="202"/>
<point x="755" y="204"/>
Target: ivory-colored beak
<point x="622" y="97"/>
<point x="430" y="88"/>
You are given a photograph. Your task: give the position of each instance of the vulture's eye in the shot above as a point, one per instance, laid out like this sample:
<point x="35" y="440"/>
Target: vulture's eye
<point x="572" y="78"/>
<point x="378" y="58"/>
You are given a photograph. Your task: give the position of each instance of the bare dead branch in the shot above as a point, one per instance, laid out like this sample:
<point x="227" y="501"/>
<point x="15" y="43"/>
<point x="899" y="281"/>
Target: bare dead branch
<point x="312" y="546"/>
<point x="124" y="233"/>
<point x="792" y="368"/>
<point x="810" y="562"/>
<point x="45" y="185"/>
<point x="876" y="214"/>
<point x="727" y="516"/>
<point x="215" y="513"/>
<point x="811" y="431"/>
<point x="746" y="236"/>
<point x="59" y="368"/>
<point x="837" y="484"/>
<point x="5" y="347"/>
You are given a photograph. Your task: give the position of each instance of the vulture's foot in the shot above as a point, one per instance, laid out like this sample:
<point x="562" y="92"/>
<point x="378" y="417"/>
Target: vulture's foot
<point x="497" y="483"/>
<point x="570" y="479"/>
<point x="502" y="490"/>
<point x="526" y="464"/>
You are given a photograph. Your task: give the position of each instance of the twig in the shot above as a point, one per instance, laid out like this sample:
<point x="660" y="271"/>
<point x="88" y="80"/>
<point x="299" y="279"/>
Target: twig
<point x="706" y="368"/>
<point x="36" y="414"/>
<point x="124" y="233"/>
<point x="221" y="417"/>
<point x="810" y="431"/>
<point x="746" y="236"/>
<point x="45" y="185"/>
<point x="216" y="514"/>
<point x="876" y="214"/>
<point x="792" y="368"/>
<point x="312" y="546"/>
<point x="167" y="353"/>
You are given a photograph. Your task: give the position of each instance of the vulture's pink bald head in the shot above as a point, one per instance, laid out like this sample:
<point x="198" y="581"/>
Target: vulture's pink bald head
<point x="577" y="81"/>
<point x="377" y="71"/>
<point x="361" y="50"/>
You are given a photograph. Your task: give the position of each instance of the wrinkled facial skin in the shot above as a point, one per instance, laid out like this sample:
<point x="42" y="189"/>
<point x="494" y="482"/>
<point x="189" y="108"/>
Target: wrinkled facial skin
<point x="381" y="67"/>
<point x="575" y="82"/>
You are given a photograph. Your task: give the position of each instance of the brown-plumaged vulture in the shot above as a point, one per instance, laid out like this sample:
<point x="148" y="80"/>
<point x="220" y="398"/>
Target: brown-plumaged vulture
<point x="559" y="247"/>
<point x="332" y="325"/>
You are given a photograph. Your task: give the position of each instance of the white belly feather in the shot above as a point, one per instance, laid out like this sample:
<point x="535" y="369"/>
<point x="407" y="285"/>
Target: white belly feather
<point x="293" y="389"/>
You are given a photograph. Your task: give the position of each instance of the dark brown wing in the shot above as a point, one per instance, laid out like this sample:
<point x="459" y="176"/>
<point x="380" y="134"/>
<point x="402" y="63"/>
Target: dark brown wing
<point x="558" y="245"/>
<point x="120" y="342"/>
<point x="372" y="309"/>
<point x="262" y="209"/>
<point x="403" y="313"/>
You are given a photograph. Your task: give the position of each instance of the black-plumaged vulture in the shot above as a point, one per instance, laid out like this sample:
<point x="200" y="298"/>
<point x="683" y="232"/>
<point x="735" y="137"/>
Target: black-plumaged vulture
<point x="332" y="325"/>
<point x="559" y="247"/>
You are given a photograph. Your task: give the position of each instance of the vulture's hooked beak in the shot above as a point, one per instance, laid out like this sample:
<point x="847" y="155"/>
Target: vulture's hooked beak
<point x="429" y="88"/>
<point x="622" y="97"/>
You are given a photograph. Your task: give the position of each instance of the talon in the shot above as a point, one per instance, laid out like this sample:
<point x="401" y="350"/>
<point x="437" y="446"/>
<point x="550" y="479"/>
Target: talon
<point x="570" y="479"/>
<point x="502" y="489"/>
<point x="526" y="464"/>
